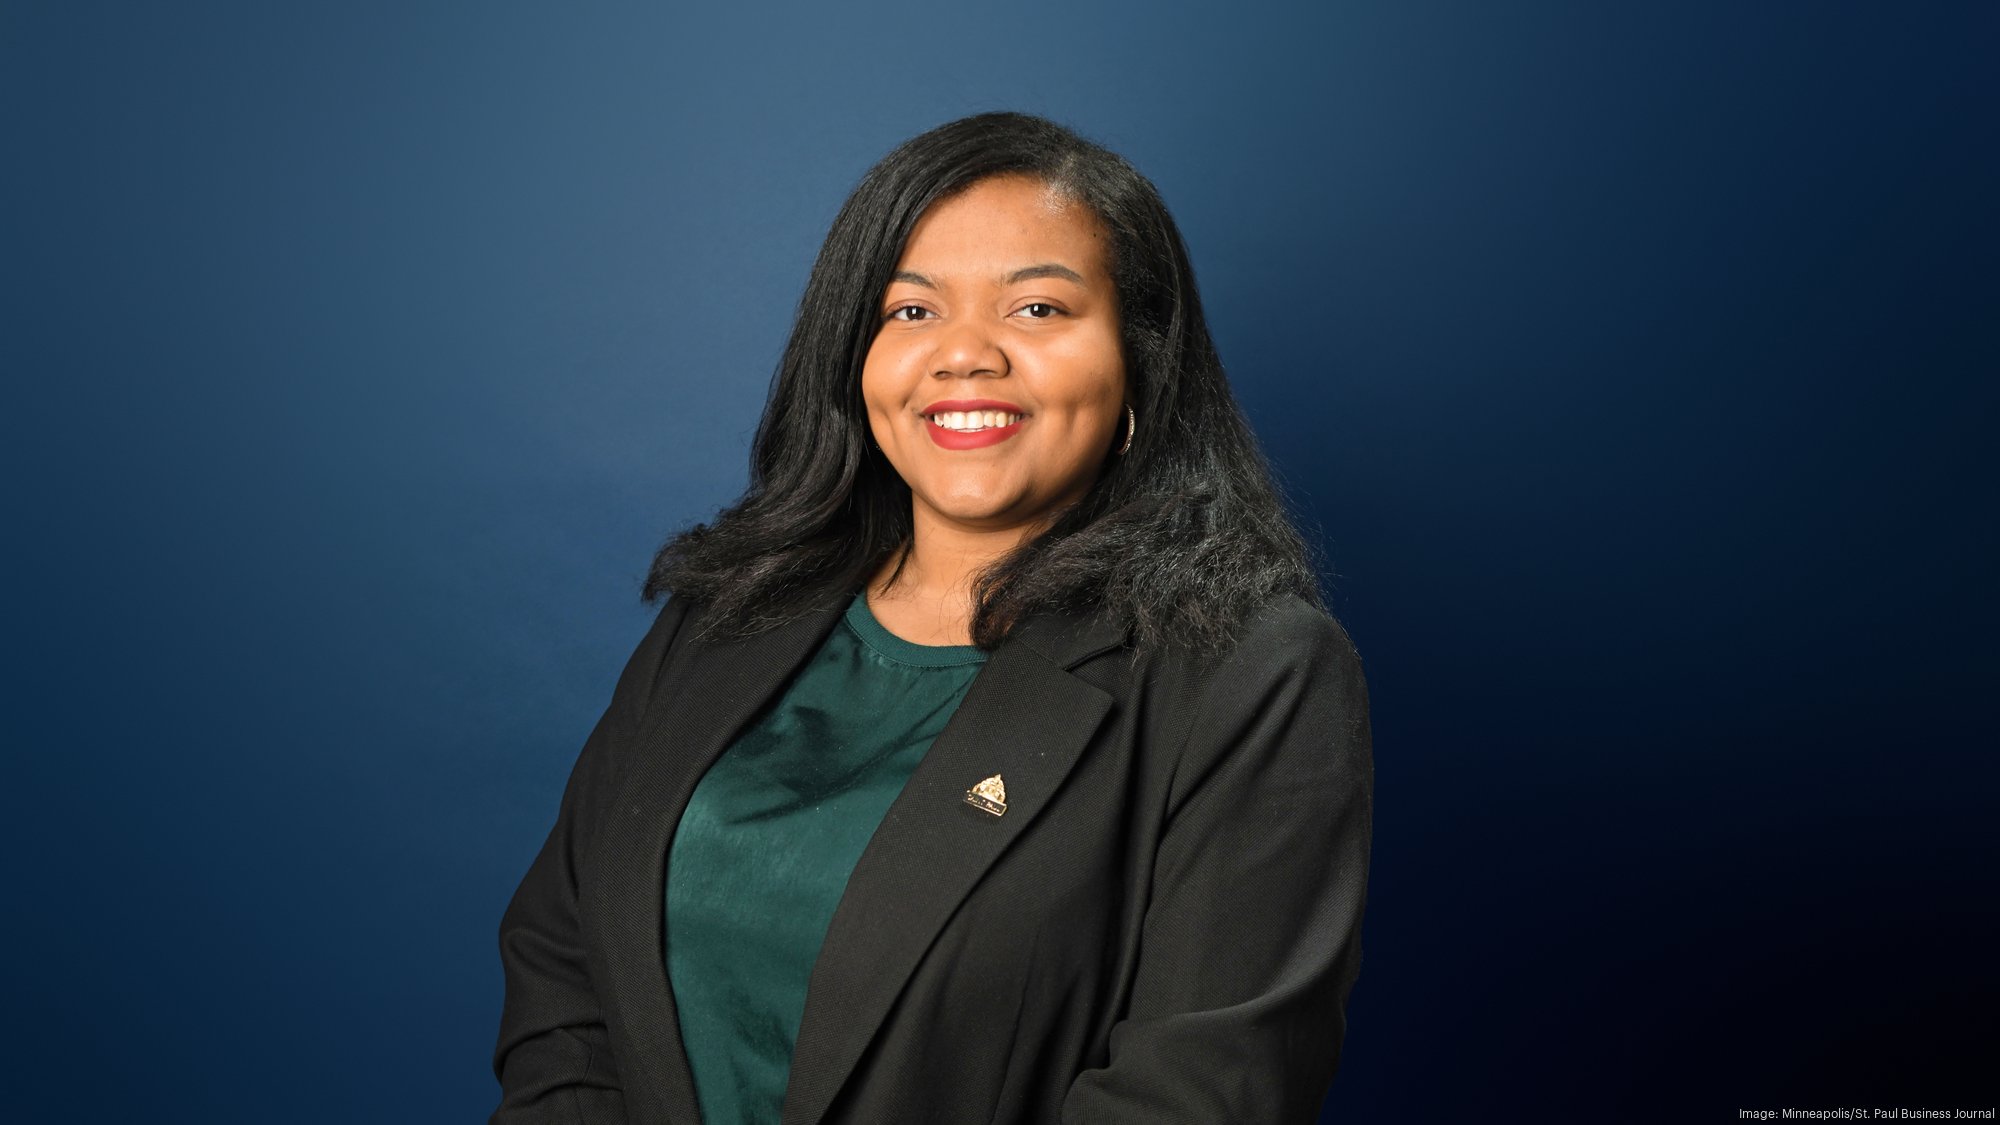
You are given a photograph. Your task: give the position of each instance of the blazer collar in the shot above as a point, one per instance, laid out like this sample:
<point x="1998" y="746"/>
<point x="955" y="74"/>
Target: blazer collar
<point x="1025" y="717"/>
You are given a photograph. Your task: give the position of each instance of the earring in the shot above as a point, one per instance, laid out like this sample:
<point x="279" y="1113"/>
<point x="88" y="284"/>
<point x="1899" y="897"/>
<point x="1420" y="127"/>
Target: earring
<point x="1131" y="427"/>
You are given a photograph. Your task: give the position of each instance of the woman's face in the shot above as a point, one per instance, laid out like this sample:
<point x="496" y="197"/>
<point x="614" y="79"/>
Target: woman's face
<point x="1002" y="302"/>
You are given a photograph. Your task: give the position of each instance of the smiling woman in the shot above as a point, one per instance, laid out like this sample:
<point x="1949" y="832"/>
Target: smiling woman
<point x="963" y="315"/>
<point x="993" y="759"/>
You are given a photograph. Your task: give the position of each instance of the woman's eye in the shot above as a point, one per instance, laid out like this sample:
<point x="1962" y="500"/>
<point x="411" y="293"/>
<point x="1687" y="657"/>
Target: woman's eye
<point x="1052" y="310"/>
<point x="896" y="313"/>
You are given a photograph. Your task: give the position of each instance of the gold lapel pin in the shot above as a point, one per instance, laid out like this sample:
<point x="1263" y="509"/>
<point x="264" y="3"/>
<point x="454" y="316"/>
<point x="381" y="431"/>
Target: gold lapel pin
<point x="990" y="795"/>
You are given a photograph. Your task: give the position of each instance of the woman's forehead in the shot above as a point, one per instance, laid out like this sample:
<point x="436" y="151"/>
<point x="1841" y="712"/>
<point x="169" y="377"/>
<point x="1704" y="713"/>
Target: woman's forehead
<point x="1003" y="229"/>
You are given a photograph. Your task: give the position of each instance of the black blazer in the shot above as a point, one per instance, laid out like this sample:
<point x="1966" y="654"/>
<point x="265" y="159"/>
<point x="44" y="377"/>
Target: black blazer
<point x="1162" y="926"/>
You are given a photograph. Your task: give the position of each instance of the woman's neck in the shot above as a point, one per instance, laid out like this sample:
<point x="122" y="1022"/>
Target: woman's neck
<point x="930" y="601"/>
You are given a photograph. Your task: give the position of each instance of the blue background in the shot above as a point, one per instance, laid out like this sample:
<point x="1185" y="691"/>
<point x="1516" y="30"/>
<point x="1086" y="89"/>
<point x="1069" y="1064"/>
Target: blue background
<point x="1636" y="370"/>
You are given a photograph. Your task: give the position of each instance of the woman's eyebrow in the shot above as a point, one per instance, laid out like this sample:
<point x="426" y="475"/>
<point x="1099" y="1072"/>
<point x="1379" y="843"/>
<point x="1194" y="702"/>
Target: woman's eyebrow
<point x="1025" y="273"/>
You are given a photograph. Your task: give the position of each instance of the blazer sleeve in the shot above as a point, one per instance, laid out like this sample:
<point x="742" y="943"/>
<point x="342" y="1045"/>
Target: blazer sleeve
<point x="1251" y="939"/>
<point x="554" y="1057"/>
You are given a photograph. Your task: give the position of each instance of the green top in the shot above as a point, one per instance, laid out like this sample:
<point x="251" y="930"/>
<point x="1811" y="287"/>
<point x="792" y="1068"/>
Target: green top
<point x="762" y="854"/>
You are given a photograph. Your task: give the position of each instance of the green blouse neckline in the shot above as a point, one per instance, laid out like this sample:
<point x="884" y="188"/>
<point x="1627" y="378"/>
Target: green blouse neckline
<point x="886" y="644"/>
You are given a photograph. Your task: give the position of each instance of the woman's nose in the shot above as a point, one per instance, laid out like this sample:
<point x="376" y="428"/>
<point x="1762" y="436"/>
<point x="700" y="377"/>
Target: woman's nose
<point x="969" y="346"/>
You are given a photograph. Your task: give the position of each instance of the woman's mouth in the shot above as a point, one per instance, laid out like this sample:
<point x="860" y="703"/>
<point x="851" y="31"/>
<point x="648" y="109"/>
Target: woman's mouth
<point x="971" y="429"/>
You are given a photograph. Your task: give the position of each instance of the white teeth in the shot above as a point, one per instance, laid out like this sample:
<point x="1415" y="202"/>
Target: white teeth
<point x="974" y="420"/>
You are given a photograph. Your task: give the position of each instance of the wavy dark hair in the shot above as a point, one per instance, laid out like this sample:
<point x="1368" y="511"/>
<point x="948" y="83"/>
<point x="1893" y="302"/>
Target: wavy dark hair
<point x="1180" y="539"/>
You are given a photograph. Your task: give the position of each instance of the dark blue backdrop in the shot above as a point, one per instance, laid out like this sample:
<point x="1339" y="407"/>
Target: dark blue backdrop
<point x="1637" y="370"/>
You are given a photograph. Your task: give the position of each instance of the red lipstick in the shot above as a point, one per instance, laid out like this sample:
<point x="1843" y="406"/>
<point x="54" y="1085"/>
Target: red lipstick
<point x="971" y="439"/>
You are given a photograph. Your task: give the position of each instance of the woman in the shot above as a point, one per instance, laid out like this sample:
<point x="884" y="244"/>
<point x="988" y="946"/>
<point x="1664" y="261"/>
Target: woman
<point x="993" y="759"/>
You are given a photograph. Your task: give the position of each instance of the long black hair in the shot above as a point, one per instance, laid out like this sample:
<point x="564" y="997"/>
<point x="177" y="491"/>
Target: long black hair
<point x="1180" y="538"/>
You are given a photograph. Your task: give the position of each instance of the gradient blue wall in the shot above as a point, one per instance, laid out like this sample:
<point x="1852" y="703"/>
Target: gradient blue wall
<point x="1636" y="369"/>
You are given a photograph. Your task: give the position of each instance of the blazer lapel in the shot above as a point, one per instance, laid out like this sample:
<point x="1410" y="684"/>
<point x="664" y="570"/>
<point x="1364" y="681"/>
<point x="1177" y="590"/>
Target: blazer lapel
<point x="1026" y="718"/>
<point x="718" y="689"/>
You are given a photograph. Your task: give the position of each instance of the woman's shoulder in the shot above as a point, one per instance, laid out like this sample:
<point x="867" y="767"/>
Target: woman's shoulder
<point x="1286" y="699"/>
<point x="1283" y="631"/>
<point x="1291" y="623"/>
<point x="1286" y="638"/>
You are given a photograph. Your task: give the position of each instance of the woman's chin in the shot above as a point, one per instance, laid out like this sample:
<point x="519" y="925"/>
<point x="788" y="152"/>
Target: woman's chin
<point x="984" y="513"/>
